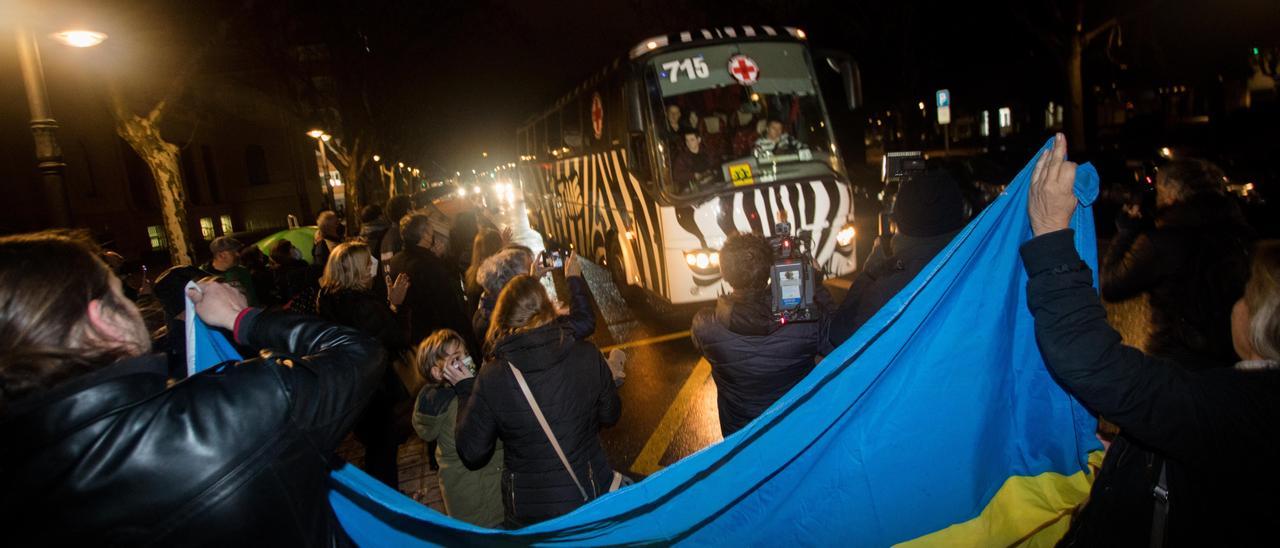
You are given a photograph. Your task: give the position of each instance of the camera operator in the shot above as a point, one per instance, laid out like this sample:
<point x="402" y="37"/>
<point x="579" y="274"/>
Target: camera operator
<point x="928" y="212"/>
<point x="755" y="358"/>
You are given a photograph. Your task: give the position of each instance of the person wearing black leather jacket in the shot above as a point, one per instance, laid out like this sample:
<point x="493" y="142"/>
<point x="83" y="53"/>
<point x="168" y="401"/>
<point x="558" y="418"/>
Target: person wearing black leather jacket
<point x="1191" y="259"/>
<point x="99" y="447"/>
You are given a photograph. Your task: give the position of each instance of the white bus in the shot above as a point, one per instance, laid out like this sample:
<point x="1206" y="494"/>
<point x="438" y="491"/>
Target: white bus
<point x="651" y="162"/>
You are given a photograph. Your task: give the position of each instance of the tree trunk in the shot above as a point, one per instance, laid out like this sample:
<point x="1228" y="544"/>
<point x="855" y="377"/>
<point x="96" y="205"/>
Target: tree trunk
<point x="162" y="157"/>
<point x="354" y="197"/>
<point x="1075" y="92"/>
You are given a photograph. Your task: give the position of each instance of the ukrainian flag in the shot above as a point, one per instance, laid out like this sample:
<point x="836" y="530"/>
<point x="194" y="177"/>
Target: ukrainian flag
<point x="937" y="423"/>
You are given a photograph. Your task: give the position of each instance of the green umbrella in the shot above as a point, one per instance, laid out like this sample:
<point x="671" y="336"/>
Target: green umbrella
<point x="303" y="238"/>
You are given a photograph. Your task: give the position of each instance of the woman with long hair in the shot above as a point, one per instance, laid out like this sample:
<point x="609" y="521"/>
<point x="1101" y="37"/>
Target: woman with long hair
<point x="487" y="243"/>
<point x="471" y="496"/>
<point x="536" y="360"/>
<point x="347" y="298"/>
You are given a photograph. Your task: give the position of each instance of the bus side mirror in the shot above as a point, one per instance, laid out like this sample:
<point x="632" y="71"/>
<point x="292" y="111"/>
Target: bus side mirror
<point x="850" y="77"/>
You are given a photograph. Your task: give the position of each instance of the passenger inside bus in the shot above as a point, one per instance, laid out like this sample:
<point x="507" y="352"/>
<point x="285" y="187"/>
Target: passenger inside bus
<point x="692" y="163"/>
<point x="676" y="125"/>
<point x="776" y="140"/>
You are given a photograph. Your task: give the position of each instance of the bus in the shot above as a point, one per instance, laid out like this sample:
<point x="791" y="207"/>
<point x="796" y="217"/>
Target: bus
<point x="650" y="163"/>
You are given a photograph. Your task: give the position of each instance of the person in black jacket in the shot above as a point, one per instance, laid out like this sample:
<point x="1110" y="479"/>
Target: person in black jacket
<point x="347" y="298"/>
<point x="928" y="212"/>
<point x="1192" y="260"/>
<point x="435" y="300"/>
<point x="100" y="449"/>
<point x="755" y="359"/>
<point x="573" y="386"/>
<point x="1196" y="453"/>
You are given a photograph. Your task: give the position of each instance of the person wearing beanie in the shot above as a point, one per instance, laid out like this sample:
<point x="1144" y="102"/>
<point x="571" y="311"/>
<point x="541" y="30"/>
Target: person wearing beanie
<point x="928" y="212"/>
<point x="225" y="264"/>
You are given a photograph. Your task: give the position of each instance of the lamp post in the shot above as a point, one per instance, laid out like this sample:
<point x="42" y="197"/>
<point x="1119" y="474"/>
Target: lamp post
<point x="320" y="136"/>
<point x="43" y="127"/>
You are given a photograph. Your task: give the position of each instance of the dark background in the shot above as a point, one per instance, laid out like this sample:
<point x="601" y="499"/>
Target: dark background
<point x="439" y="83"/>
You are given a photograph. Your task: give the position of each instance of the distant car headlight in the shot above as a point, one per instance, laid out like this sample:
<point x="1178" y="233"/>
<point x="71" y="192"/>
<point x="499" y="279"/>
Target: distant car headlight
<point x="844" y="238"/>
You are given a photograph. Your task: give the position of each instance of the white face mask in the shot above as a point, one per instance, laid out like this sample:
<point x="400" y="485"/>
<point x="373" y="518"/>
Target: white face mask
<point x="373" y="267"/>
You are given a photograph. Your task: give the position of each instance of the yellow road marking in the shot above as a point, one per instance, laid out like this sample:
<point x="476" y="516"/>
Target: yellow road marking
<point x="647" y="462"/>
<point x="650" y="340"/>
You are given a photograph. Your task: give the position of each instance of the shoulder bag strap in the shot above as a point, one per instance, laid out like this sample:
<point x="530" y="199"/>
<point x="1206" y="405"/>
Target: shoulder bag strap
<point x="546" y="428"/>
<point x="1160" y="515"/>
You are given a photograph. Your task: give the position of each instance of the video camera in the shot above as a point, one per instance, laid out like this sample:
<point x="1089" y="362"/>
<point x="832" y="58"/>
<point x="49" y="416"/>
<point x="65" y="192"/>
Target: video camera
<point x="895" y="168"/>
<point x="791" y="276"/>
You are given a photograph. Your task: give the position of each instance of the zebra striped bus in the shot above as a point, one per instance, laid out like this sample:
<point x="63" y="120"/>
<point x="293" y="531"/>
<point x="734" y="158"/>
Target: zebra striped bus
<point x="648" y="165"/>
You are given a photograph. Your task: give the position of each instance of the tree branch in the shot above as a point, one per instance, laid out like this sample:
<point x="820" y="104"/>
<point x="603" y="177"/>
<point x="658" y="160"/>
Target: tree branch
<point x="1105" y="26"/>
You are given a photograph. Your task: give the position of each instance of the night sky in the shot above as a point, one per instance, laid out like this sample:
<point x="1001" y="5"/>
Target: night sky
<point x="444" y="81"/>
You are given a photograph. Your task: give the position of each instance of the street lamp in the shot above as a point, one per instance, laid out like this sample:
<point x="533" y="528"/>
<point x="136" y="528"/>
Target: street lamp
<point x="79" y="38"/>
<point x="321" y="137"/>
<point x="377" y="158"/>
<point x="43" y="127"/>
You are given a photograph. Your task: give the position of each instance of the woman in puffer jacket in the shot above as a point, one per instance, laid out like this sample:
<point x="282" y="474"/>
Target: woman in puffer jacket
<point x="572" y="386"/>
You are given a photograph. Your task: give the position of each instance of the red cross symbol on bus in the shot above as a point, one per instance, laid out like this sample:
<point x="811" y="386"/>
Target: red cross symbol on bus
<point x="744" y="69"/>
<point x="597" y="115"/>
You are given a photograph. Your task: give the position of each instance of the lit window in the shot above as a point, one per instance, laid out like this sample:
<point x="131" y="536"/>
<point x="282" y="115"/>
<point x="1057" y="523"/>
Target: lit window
<point x="984" y="129"/>
<point x="156" y="235"/>
<point x="227" y="228"/>
<point x="1006" y="117"/>
<point x="206" y="228"/>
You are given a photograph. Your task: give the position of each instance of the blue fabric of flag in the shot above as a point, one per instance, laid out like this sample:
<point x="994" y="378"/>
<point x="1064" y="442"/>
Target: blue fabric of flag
<point x="910" y="426"/>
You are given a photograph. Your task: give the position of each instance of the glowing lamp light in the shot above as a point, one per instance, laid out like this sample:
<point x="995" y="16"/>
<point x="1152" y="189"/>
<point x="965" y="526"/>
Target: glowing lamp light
<point x="703" y="260"/>
<point x="315" y="133"/>
<point x="79" y="38"/>
<point x="845" y="236"/>
<point x="326" y="137"/>
<point x="1165" y="152"/>
<point x="800" y="34"/>
<point x="691" y="258"/>
<point x="377" y="158"/>
<point x="651" y="45"/>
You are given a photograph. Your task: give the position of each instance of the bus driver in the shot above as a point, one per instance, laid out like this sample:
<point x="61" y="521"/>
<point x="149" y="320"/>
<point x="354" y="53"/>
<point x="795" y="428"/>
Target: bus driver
<point x="776" y="141"/>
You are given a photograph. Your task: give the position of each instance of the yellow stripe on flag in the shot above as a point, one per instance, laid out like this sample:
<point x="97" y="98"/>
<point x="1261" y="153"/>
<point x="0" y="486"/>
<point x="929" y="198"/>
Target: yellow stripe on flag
<point x="1026" y="511"/>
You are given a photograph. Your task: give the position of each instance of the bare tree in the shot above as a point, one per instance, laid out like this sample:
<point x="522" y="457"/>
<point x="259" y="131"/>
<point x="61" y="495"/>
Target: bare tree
<point x="1067" y="31"/>
<point x="142" y="133"/>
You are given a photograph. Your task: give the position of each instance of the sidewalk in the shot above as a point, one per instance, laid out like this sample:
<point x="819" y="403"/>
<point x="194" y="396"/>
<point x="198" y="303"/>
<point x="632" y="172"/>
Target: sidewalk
<point x="417" y="480"/>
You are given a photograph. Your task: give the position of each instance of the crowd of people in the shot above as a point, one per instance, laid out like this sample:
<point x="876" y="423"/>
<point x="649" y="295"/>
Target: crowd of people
<point x="444" y="322"/>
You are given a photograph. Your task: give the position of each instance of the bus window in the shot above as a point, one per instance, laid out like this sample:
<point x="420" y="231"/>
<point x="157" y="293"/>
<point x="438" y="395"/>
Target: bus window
<point x="737" y="114"/>
<point x="540" y="140"/>
<point x="571" y="128"/>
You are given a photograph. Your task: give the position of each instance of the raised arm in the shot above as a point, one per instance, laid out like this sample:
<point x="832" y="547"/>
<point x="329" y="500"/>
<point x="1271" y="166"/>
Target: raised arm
<point x="1130" y="266"/>
<point x="328" y="370"/>
<point x="1152" y="400"/>
<point x="582" y="318"/>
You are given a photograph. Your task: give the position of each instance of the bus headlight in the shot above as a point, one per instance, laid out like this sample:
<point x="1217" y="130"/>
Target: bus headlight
<point x="844" y="238"/>
<point x="703" y="260"/>
<point x="704" y="264"/>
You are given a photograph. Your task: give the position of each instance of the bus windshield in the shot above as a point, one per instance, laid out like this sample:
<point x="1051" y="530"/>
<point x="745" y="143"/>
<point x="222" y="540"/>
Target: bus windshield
<point x="737" y="114"/>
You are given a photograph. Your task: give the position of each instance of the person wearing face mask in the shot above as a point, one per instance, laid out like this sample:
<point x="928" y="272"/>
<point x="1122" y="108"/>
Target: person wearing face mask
<point x="471" y="496"/>
<point x="347" y="298"/>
